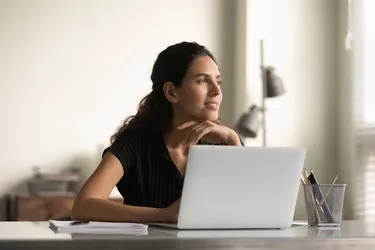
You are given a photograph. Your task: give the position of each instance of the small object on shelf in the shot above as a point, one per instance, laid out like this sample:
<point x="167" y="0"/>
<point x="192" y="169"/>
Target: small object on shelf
<point x="52" y="184"/>
<point x="36" y="172"/>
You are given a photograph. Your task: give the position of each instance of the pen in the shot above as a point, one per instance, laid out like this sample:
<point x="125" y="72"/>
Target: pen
<point x="304" y="181"/>
<point x="319" y="196"/>
<point x="74" y="223"/>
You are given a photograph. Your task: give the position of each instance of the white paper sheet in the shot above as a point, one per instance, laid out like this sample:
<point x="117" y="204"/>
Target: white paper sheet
<point x="98" y="227"/>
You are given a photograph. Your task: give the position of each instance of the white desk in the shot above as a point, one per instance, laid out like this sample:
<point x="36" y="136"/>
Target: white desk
<point x="37" y="235"/>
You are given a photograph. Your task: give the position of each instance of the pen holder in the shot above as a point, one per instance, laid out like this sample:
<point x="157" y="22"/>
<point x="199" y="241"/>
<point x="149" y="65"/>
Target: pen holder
<point x="324" y="204"/>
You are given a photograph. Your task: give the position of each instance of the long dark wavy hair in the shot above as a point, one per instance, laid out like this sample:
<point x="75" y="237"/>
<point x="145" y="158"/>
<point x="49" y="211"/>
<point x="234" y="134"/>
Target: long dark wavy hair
<point x="155" y="111"/>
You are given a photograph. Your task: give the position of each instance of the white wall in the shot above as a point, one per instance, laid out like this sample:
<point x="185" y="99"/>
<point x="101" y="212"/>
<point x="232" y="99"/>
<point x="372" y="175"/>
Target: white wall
<point x="71" y="71"/>
<point x="300" y="42"/>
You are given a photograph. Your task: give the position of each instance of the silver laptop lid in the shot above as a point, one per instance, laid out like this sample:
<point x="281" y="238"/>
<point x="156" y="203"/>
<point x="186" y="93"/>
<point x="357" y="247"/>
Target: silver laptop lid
<point x="240" y="187"/>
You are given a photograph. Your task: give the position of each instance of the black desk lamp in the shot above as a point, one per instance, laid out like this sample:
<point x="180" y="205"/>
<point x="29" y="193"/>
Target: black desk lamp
<point x="248" y="124"/>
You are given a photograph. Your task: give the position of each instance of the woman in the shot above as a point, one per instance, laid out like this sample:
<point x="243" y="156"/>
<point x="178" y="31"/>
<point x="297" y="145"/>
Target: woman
<point x="148" y="154"/>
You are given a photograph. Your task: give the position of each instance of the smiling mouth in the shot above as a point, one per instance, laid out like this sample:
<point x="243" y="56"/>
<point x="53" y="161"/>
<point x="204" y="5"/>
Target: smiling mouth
<point x="211" y="105"/>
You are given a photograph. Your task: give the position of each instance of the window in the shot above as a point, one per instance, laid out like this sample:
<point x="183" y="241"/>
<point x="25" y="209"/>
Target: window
<point x="368" y="62"/>
<point x="364" y="85"/>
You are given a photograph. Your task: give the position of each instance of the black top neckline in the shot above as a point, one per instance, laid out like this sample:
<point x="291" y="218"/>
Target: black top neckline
<point x="167" y="155"/>
<point x="150" y="177"/>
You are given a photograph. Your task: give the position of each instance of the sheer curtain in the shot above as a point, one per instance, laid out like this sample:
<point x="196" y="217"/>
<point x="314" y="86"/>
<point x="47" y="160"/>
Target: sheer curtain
<point x="363" y="84"/>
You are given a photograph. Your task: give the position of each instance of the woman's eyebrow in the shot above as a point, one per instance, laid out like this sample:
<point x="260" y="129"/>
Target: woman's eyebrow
<point x="206" y="75"/>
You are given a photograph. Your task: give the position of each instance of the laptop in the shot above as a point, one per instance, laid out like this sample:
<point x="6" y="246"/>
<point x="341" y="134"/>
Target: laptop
<point x="228" y="187"/>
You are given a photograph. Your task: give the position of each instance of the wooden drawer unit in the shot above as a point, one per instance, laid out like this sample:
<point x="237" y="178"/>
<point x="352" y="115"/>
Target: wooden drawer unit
<point x="30" y="208"/>
<point x="43" y="208"/>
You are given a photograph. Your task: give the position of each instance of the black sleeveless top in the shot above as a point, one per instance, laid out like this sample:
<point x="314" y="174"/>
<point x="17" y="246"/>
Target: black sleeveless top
<point x="150" y="178"/>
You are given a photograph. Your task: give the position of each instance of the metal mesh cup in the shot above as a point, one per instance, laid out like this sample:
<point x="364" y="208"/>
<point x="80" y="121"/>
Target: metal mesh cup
<point x="324" y="203"/>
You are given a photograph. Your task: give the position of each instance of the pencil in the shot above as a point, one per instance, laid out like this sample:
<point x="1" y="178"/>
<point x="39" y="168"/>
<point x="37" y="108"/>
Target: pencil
<point x="314" y="205"/>
<point x="306" y="174"/>
<point x="329" y="190"/>
<point x="305" y="180"/>
<point x="334" y="180"/>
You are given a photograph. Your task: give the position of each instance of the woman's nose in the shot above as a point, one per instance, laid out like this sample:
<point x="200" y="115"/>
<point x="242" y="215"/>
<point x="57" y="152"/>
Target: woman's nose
<point x="215" y="89"/>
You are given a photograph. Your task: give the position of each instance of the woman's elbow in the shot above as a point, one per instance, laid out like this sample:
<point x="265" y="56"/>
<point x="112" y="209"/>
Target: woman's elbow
<point x="78" y="209"/>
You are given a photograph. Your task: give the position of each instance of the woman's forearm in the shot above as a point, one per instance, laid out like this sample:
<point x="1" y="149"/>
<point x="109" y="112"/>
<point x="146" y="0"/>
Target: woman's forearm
<point x="107" y="210"/>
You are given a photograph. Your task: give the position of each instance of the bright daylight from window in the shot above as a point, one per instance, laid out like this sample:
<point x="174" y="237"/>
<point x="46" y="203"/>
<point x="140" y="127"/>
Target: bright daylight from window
<point x="369" y="62"/>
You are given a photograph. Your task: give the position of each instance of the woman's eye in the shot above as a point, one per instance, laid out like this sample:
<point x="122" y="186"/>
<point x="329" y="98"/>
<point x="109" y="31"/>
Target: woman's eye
<point x="202" y="80"/>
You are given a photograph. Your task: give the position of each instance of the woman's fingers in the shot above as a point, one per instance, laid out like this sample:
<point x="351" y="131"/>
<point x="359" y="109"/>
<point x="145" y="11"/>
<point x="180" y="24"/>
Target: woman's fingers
<point x="202" y="129"/>
<point x="198" y="132"/>
<point x="188" y="124"/>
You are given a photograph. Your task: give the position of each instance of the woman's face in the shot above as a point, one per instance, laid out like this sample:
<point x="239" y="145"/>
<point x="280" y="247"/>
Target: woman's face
<point x="199" y="96"/>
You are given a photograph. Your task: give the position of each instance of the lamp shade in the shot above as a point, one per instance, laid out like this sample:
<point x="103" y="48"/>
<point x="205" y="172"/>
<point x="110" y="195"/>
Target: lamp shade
<point x="248" y="124"/>
<point x="274" y="85"/>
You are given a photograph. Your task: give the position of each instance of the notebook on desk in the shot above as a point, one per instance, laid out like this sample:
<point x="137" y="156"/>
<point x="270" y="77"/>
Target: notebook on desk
<point x="229" y="187"/>
<point x="94" y="227"/>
